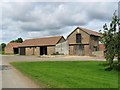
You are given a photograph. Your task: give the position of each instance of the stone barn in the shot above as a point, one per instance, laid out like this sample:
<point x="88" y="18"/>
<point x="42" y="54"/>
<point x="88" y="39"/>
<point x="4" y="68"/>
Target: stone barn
<point x="12" y="48"/>
<point x="62" y="48"/>
<point x="40" y="46"/>
<point x="83" y="41"/>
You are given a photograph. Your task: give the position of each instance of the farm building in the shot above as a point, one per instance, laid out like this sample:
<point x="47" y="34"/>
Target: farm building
<point x="40" y="46"/>
<point x="83" y="41"/>
<point x="12" y="48"/>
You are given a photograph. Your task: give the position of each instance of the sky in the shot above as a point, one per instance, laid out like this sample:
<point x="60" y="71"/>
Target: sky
<point x="36" y="19"/>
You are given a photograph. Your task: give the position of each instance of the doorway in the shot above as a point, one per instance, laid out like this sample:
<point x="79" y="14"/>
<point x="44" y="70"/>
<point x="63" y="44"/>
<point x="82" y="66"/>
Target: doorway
<point x="15" y="50"/>
<point x="81" y="50"/>
<point x="22" y="51"/>
<point x="43" y="50"/>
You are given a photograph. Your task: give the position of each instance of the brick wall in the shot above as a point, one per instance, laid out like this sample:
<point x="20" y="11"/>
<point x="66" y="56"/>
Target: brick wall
<point x="94" y="43"/>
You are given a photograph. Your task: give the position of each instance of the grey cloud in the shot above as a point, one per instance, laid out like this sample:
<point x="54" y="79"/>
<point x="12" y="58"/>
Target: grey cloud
<point x="102" y="11"/>
<point x="35" y="19"/>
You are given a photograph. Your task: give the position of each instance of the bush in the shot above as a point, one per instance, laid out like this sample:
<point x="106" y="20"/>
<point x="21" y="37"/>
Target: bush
<point x="115" y="66"/>
<point x="2" y="52"/>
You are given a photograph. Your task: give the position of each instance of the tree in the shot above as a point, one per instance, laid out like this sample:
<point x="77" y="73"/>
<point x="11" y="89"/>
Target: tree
<point x="111" y="40"/>
<point x="118" y="42"/>
<point x="2" y="46"/>
<point x="19" y="40"/>
<point x="12" y="41"/>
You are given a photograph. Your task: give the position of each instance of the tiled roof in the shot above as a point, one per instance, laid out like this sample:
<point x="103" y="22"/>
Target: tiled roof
<point x="13" y="44"/>
<point x="41" y="41"/>
<point x="91" y="32"/>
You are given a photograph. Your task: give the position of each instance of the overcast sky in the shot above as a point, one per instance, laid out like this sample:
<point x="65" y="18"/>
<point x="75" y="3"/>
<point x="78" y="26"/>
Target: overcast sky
<point x="42" y="19"/>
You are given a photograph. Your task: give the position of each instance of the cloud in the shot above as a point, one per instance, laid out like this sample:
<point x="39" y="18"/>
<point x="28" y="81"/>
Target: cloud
<point x="59" y="1"/>
<point x="39" y="19"/>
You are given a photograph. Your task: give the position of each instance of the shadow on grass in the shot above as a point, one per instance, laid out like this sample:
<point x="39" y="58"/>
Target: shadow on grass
<point x="115" y="66"/>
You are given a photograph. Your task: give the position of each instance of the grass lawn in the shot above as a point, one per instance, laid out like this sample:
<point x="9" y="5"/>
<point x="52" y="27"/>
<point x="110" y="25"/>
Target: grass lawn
<point x="69" y="74"/>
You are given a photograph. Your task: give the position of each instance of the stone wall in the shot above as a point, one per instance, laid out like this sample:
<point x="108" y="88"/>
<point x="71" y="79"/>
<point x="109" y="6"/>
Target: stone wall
<point x="62" y="48"/>
<point x="50" y="50"/>
<point x="32" y="51"/>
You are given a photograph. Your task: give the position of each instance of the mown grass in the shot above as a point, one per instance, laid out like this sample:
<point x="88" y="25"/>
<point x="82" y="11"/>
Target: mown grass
<point x="69" y="74"/>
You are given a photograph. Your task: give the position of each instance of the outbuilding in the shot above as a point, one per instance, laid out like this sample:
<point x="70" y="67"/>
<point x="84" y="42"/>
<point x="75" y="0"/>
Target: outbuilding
<point x="40" y="46"/>
<point x="12" y="48"/>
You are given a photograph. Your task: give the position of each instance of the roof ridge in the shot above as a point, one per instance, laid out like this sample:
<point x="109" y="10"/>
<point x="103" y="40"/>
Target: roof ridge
<point x="13" y="42"/>
<point x="44" y="37"/>
<point x="87" y="29"/>
<point x="42" y="41"/>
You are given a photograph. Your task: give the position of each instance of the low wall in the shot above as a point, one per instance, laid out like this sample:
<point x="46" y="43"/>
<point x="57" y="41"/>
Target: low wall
<point x="98" y="53"/>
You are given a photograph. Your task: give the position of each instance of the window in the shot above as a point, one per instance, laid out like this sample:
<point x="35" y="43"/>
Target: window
<point x="95" y="48"/>
<point x="78" y="38"/>
<point x="95" y="38"/>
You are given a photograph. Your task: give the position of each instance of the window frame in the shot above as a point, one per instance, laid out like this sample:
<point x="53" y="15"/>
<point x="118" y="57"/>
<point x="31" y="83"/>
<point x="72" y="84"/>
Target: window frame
<point x="77" y="38"/>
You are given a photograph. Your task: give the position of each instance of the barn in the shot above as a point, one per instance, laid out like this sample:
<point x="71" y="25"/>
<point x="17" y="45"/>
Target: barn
<point x="40" y="46"/>
<point x="80" y="41"/>
<point x="12" y="48"/>
<point x="83" y="41"/>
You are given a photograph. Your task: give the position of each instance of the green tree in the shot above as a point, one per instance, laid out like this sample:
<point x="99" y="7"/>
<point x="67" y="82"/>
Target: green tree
<point x="12" y="41"/>
<point x="111" y="40"/>
<point x="19" y="40"/>
<point x="118" y="43"/>
<point x="2" y="46"/>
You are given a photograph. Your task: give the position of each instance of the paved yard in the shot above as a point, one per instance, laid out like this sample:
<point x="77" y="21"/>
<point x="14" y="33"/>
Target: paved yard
<point x="11" y="78"/>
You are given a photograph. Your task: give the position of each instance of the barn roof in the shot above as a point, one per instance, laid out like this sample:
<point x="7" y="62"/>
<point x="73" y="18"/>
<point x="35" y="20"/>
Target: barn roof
<point x="13" y="44"/>
<point x="42" y="41"/>
<point x="88" y="31"/>
<point x="91" y="32"/>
